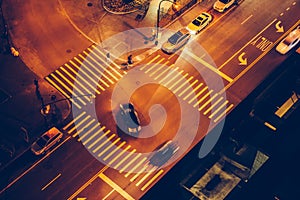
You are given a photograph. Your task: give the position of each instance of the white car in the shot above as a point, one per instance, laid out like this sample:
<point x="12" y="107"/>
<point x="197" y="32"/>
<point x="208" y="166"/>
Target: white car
<point x="222" y="5"/>
<point x="46" y="141"/>
<point x="199" y="23"/>
<point x="176" y="41"/>
<point x="290" y="41"/>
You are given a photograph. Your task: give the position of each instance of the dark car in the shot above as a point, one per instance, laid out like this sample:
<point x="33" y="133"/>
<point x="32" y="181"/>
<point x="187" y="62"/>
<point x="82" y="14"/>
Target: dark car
<point x="130" y="118"/>
<point x="163" y="154"/>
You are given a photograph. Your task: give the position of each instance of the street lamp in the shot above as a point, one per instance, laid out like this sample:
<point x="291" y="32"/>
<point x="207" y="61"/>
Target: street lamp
<point x="157" y="22"/>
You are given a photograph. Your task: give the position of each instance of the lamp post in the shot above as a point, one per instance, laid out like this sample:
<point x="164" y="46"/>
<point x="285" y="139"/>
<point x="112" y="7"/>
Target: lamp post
<point x="157" y="21"/>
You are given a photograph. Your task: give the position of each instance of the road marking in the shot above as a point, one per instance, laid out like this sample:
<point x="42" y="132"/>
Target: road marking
<point x="206" y="95"/>
<point x="82" y="78"/>
<point x="223" y="113"/>
<point x="257" y="59"/>
<point x="205" y="88"/>
<point x="135" y="167"/>
<point x="81" y="122"/>
<point x="103" y="143"/>
<point x="139" y="173"/>
<point x="74" y="120"/>
<point x="152" y="179"/>
<point x="146" y="175"/>
<point x="234" y="55"/>
<point x="154" y="65"/>
<point x="148" y="63"/>
<point x="157" y="69"/>
<point x="108" y="194"/>
<point x="213" y="105"/>
<point x="195" y="96"/>
<point x="83" y="128"/>
<point x="109" y="146"/>
<point x="96" y="133"/>
<point x="185" y="82"/>
<point x="182" y="77"/>
<point x="54" y="179"/>
<point x="115" y="149"/>
<point x="63" y="92"/>
<point x="91" y="145"/>
<point x="218" y="109"/>
<point x="120" y="154"/>
<point x="125" y="158"/>
<point x="33" y="166"/>
<point x="209" y="100"/>
<point x="193" y="91"/>
<point x="115" y="187"/>
<point x="243" y="61"/>
<point x="130" y="162"/>
<point x="246" y="19"/>
<point x="190" y="86"/>
<point x="89" y="131"/>
<point x="209" y="66"/>
<point x="169" y="74"/>
<point x="85" y="185"/>
<point x="174" y="77"/>
<point x="168" y="68"/>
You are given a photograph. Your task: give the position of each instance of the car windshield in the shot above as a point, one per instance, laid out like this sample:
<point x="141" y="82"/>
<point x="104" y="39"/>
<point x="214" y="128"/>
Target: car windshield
<point x="287" y="42"/>
<point x="196" y="22"/>
<point x="173" y="39"/>
<point x="224" y="1"/>
<point x="42" y="142"/>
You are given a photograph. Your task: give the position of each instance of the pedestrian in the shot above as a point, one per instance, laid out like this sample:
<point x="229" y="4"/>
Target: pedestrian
<point x="129" y="60"/>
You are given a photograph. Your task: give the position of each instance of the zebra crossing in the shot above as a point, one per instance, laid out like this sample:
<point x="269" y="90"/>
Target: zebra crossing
<point x="112" y="150"/>
<point x="209" y="102"/>
<point x="87" y="74"/>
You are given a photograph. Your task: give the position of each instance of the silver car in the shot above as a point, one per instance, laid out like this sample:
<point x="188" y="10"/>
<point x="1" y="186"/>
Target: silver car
<point x="176" y="41"/>
<point x="46" y="141"/>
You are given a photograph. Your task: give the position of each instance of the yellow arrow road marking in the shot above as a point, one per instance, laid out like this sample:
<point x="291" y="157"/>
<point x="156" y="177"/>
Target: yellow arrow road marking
<point x="243" y="61"/>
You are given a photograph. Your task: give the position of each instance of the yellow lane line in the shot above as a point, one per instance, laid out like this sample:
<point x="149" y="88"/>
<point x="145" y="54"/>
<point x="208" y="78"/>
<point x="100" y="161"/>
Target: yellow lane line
<point x="96" y="133"/>
<point x="125" y="158"/>
<point x="146" y="176"/>
<point x="115" y="187"/>
<point x="182" y="77"/>
<point x="74" y="120"/>
<point x="190" y="86"/>
<point x="148" y="63"/>
<point x="113" y="151"/>
<point x="108" y="147"/>
<point x="174" y="77"/>
<point x="54" y="179"/>
<point x="74" y="79"/>
<point x="152" y="179"/>
<point x="200" y="100"/>
<point x="103" y="143"/>
<point x="77" y="125"/>
<point x="63" y="92"/>
<point x="81" y="77"/>
<point x="109" y="66"/>
<point x="84" y="128"/>
<point x="217" y="110"/>
<point x="213" y="105"/>
<point x="169" y="74"/>
<point x="208" y="101"/>
<point x="89" y="131"/>
<point x="85" y="185"/>
<point x="159" y="68"/>
<point x="72" y="84"/>
<point x="199" y="93"/>
<point x="167" y="69"/>
<point x="119" y="155"/>
<point x="130" y="162"/>
<point x="135" y="167"/>
<point x="224" y="113"/>
<point x="209" y="66"/>
<point x="186" y="82"/>
<point x="91" y="145"/>
<point x="193" y="91"/>
<point x="154" y="65"/>
<point x="100" y="65"/>
<point x="88" y="69"/>
<point x="234" y="55"/>
<point x="95" y="67"/>
<point x="257" y="59"/>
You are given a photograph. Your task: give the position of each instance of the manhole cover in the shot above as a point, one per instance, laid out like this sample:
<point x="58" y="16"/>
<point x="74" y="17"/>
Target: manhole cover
<point x="89" y="4"/>
<point x="68" y="50"/>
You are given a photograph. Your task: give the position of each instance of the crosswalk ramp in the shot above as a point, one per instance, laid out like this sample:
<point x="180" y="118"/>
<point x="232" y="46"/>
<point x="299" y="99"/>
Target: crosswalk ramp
<point x="188" y="87"/>
<point x="112" y="150"/>
<point x="86" y="75"/>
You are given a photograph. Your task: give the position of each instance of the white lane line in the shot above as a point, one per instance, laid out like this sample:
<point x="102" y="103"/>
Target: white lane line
<point x="247" y="19"/>
<point x="50" y="182"/>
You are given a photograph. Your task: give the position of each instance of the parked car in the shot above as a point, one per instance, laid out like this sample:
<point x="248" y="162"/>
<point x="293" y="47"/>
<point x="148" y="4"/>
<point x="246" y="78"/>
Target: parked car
<point x="176" y="41"/>
<point x="163" y="154"/>
<point x="130" y="116"/>
<point x="46" y="141"/>
<point x="222" y="5"/>
<point x="290" y="41"/>
<point x="199" y="23"/>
